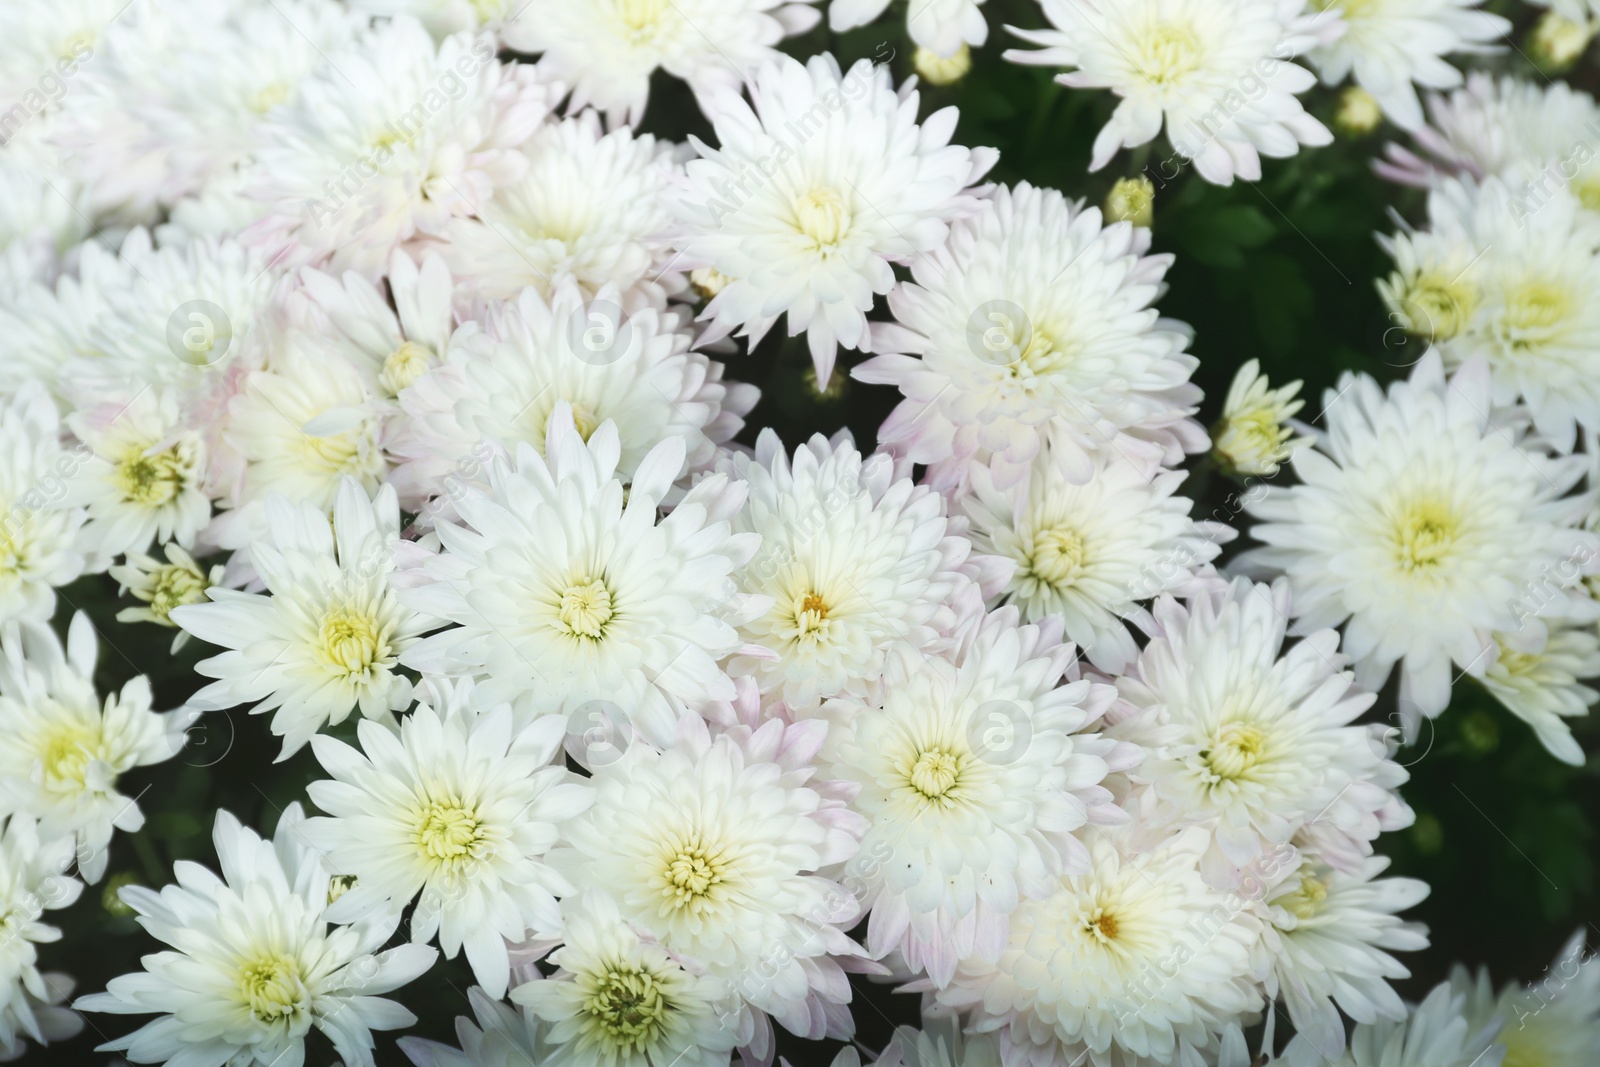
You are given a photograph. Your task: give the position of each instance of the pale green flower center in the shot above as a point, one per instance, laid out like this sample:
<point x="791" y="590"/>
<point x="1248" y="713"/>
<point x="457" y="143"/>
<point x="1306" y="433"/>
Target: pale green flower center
<point x="404" y="366"/>
<point x="152" y="480"/>
<point x="271" y="985"/>
<point x="1424" y="536"/>
<point x="1058" y="556"/>
<point x="1168" y="54"/>
<point x="823" y="216"/>
<point x="586" y="609"/>
<point x="1236" y="748"/>
<point x="627" y="1007"/>
<point x="1436" y="306"/>
<point x="449" y="833"/>
<point x="351" y="643"/>
<point x="935" y="773"/>
<point x="692" y="872"/>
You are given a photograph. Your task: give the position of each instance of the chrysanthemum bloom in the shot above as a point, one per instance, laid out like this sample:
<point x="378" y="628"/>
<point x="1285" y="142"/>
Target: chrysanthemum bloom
<point x="817" y="185"/>
<point x="396" y="137"/>
<point x="1135" y="961"/>
<point x="1387" y="45"/>
<point x="503" y="1037"/>
<point x="1426" y="531"/>
<point x="144" y="480"/>
<point x="1326" y="940"/>
<point x="65" y="748"/>
<point x="1526" y="132"/>
<point x="1553" y="1022"/>
<point x="1544" y="685"/>
<point x="593" y="206"/>
<point x="621" y="1000"/>
<point x="718" y="848"/>
<point x="459" y="807"/>
<point x="607" y="50"/>
<point x="1091" y="552"/>
<point x="1254" y="436"/>
<point x="562" y="593"/>
<point x="1033" y="324"/>
<point x="395" y="346"/>
<point x="1254" y="742"/>
<point x="1520" y="301"/>
<point x="944" y="27"/>
<point x="1216" y="72"/>
<point x="33" y="880"/>
<point x="941" y="1044"/>
<point x="39" y="550"/>
<point x="505" y="374"/>
<point x="254" y="964"/>
<point x="164" y="586"/>
<point x="854" y="558"/>
<point x="941" y="752"/>
<point x="44" y="1019"/>
<point x="326" y="637"/>
<point x="175" y="100"/>
<point x="1437" y="1033"/>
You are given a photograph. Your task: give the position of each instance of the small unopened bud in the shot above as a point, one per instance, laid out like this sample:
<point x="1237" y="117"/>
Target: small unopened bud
<point x="708" y="282"/>
<point x="1132" y="200"/>
<point x="1359" y="113"/>
<point x="832" y="391"/>
<point x="1557" y="42"/>
<point x="935" y="69"/>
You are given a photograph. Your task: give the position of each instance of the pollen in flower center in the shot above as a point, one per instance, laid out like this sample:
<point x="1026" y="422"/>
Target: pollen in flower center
<point x="351" y="643"/>
<point x="935" y="773"/>
<point x="693" y="870"/>
<point x="1168" y="54"/>
<point x="823" y="216"/>
<point x="1101" y="925"/>
<point x="1424" y="536"/>
<point x="628" y="1007"/>
<point x="1235" y="750"/>
<point x="152" y="480"/>
<point x="271" y="986"/>
<point x="1058" y="556"/>
<point x="586" y="608"/>
<point x="1308" y="897"/>
<point x="450" y="833"/>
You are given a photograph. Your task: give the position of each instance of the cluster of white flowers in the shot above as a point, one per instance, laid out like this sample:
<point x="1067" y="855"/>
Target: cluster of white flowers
<point x="374" y="345"/>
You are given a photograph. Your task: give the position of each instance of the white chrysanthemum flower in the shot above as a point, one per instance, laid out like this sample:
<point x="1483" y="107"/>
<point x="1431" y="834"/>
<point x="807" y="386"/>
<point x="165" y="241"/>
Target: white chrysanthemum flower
<point x="1327" y="938"/>
<point x="1554" y="1022"/>
<point x="817" y="186"/>
<point x="1217" y="72"/>
<point x="65" y="747"/>
<point x="607" y="50"/>
<point x="504" y="377"/>
<point x="1543" y="686"/>
<point x="1436" y="1034"/>
<point x="33" y="880"/>
<point x="172" y="318"/>
<point x="943" y="27"/>
<point x="1135" y="961"/>
<point x="1387" y="45"/>
<point x="176" y="102"/>
<point x="46" y="1016"/>
<point x="854" y="558"/>
<point x="459" y="807"/>
<point x="563" y="592"/>
<point x="592" y="206"/>
<point x="164" y="586"/>
<point x="256" y="964"/>
<point x="941" y="753"/>
<point x="718" y="848"/>
<point x="621" y="1000"/>
<point x="1091" y="552"/>
<point x="1032" y="324"/>
<point x="503" y="1037"/>
<point x="300" y="427"/>
<point x="940" y="1044"/>
<point x="1426" y="531"/>
<point x="1251" y="743"/>
<point x="392" y="141"/>
<point x="394" y="345"/>
<point x="48" y="326"/>
<point x="1531" y="134"/>
<point x="1254" y="436"/>
<point x="39" y="549"/>
<point x="1509" y="281"/>
<point x="327" y="636"/>
<point x="144" y="480"/>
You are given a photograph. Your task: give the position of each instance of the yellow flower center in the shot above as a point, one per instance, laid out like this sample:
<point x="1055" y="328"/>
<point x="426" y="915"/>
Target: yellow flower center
<point x="1424" y="536"/>
<point x="1168" y="54"/>
<point x="351" y="643"/>
<point x="449" y="833"/>
<point x="628" y="1007"/>
<point x="172" y="586"/>
<point x="1534" y="308"/>
<point x="642" y="19"/>
<point x="1436" y="306"/>
<point x="153" y="480"/>
<point x="272" y="987"/>
<point x="935" y="774"/>
<point x="1236" y="748"/>
<point x="1306" y="899"/>
<point x="268" y="97"/>
<point x="1101" y="925"/>
<point x="586" y="609"/>
<point x="823" y="216"/>
<point x="1058" y="556"/>
<point x="65" y="753"/>
<point x="692" y="871"/>
<point x="404" y="366"/>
